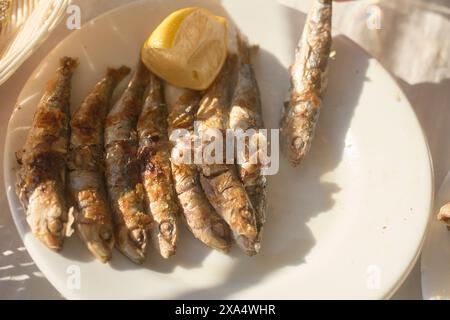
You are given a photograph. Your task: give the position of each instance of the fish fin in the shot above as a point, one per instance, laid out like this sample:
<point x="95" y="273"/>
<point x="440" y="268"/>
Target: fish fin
<point x="231" y="63"/>
<point x="142" y="72"/>
<point x="254" y="50"/>
<point x="245" y="50"/>
<point x="118" y="74"/>
<point x="69" y="63"/>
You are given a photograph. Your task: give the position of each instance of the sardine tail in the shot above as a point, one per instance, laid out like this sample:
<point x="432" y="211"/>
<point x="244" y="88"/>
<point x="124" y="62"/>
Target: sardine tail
<point x="69" y="63"/>
<point x="118" y="74"/>
<point x="243" y="48"/>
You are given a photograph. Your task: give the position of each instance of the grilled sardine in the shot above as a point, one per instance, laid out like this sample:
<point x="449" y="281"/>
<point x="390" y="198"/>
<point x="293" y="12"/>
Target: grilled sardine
<point x="220" y="181"/>
<point x="42" y="175"/>
<point x="308" y="82"/>
<point x="199" y="216"/>
<point x="126" y="192"/>
<point x="86" y="181"/>
<point x="246" y="115"/>
<point x="154" y="155"/>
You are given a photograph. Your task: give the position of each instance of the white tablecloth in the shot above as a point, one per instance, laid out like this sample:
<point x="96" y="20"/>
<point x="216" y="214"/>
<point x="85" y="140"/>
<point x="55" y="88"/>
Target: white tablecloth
<point x="21" y="279"/>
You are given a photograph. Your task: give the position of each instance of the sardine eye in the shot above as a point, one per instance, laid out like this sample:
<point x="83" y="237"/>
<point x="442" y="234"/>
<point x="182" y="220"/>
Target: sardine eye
<point x="166" y="228"/>
<point x="55" y="226"/>
<point x="298" y="143"/>
<point x="105" y="234"/>
<point x="138" y="236"/>
<point x="257" y="247"/>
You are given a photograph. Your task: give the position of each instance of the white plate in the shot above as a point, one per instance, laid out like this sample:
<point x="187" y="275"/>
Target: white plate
<point x="349" y="223"/>
<point x="435" y="259"/>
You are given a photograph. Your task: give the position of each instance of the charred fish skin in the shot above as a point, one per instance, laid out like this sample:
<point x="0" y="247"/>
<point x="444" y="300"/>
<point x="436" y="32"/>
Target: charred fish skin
<point x="154" y="155"/>
<point x="122" y="118"/>
<point x="308" y="82"/>
<point x="220" y="182"/>
<point x="88" y="120"/>
<point x="246" y="114"/>
<point x="93" y="220"/>
<point x="125" y="189"/>
<point x="198" y="214"/>
<point x="42" y="174"/>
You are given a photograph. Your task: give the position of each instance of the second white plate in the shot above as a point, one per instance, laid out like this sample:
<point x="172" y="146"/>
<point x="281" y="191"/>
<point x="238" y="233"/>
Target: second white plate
<point x="435" y="258"/>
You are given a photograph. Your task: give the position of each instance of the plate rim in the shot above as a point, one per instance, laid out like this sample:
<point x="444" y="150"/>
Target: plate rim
<point x="432" y="178"/>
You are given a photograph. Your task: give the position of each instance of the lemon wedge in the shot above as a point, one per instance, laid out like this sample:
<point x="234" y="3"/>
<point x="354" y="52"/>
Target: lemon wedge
<point x="188" y="48"/>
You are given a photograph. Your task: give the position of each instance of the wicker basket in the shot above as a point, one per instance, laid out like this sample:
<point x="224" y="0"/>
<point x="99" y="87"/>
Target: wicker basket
<point x="29" y="24"/>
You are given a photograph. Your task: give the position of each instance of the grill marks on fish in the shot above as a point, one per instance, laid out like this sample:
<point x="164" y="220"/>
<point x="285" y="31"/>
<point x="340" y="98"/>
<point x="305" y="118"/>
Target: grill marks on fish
<point x="125" y="189"/>
<point x="198" y="214"/>
<point x="308" y="82"/>
<point x="93" y="220"/>
<point x="246" y="114"/>
<point x="42" y="173"/>
<point x="220" y="181"/>
<point x="154" y="154"/>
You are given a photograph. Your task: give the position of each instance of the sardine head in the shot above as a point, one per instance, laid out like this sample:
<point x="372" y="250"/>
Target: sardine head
<point x="132" y="244"/>
<point x="46" y="216"/>
<point x="167" y="236"/>
<point x="98" y="238"/>
<point x="250" y="246"/>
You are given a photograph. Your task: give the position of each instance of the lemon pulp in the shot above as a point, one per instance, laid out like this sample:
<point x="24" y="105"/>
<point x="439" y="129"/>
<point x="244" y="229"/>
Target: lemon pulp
<point x="188" y="48"/>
